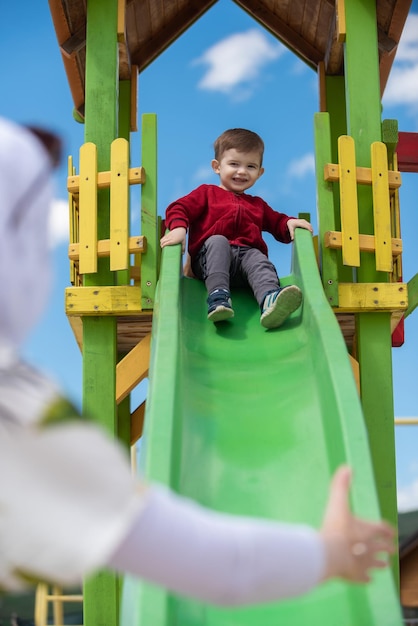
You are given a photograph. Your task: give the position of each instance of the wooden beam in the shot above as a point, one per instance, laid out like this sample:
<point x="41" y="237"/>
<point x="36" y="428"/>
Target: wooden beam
<point x="340" y="18"/>
<point x="103" y="300"/>
<point x="322" y="87"/>
<point x="133" y="368"/>
<point x="121" y="20"/>
<point x="356" y="371"/>
<point x="179" y="22"/>
<point x="134" y="98"/>
<point x="76" y="42"/>
<point x="75" y="74"/>
<point x="372" y="297"/>
<point x="137" y="423"/>
<point x="394" y="32"/>
<point x="412" y="295"/>
<point x="280" y="29"/>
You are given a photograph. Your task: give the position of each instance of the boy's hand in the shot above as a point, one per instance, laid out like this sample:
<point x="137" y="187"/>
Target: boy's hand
<point x="297" y="223"/>
<point x="353" y="546"/>
<point x="173" y="237"/>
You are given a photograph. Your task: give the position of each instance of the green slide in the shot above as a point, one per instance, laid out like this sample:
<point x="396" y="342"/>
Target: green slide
<point x="255" y="422"/>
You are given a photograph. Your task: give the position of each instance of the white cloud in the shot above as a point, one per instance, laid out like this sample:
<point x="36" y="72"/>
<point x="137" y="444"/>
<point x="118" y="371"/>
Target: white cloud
<point x="58" y="223"/>
<point x="298" y="168"/>
<point x="408" y="497"/>
<point x="402" y="86"/>
<point x="236" y="61"/>
<point x="203" y="174"/>
<point x="408" y="45"/>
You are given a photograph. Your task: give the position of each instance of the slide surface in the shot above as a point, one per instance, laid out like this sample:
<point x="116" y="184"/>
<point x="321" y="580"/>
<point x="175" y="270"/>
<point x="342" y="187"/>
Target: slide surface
<point x="255" y="422"/>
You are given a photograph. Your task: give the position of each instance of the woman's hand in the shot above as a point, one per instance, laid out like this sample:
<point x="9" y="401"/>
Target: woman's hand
<point x="353" y="546"/>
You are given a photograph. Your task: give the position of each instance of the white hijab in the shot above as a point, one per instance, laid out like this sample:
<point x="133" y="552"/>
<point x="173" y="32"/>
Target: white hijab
<point x="25" y="199"/>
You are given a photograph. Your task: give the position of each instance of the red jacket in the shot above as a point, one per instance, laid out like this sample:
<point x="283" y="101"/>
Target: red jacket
<point x="241" y="218"/>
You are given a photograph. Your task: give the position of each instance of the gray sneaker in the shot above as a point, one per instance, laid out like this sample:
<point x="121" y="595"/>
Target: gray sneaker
<point x="278" y="305"/>
<point x="219" y="305"/>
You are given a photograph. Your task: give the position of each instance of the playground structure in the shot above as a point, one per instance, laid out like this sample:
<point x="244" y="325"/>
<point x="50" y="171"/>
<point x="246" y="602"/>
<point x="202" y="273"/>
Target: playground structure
<point x="232" y="440"/>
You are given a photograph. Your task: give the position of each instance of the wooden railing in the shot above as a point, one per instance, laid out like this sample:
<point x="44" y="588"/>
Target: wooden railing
<point x="385" y="244"/>
<point x="137" y="254"/>
<point x="85" y="248"/>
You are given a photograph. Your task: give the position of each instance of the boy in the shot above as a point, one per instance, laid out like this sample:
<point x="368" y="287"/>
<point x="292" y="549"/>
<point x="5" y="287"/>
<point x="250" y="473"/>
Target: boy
<point x="225" y="232"/>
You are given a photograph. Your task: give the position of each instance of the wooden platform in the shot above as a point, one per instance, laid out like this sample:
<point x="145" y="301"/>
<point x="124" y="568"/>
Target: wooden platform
<point x="130" y="330"/>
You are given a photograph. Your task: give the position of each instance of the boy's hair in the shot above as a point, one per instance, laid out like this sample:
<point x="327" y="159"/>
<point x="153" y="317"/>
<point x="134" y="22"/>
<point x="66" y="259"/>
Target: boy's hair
<point x="241" y="139"/>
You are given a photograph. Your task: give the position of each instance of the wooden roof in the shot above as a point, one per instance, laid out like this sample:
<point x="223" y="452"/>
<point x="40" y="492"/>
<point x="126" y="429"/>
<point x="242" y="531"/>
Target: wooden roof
<point x="307" y="27"/>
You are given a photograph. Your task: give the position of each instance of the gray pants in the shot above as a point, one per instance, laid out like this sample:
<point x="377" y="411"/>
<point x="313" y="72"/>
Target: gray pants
<point x="221" y="265"/>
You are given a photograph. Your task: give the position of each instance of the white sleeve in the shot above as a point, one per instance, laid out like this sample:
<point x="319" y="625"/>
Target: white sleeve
<point x="217" y="558"/>
<point x="69" y="506"/>
<point x="67" y="499"/>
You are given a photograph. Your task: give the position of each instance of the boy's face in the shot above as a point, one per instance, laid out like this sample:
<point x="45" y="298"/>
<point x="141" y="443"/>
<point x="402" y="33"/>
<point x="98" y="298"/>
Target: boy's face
<point x="238" y="171"/>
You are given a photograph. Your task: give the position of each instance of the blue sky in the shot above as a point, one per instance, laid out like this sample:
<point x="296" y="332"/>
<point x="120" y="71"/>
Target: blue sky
<point x="225" y="71"/>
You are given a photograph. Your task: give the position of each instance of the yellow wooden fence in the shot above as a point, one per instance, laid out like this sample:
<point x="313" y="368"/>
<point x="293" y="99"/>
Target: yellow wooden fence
<point x="385" y="243"/>
<point x="85" y="248"/>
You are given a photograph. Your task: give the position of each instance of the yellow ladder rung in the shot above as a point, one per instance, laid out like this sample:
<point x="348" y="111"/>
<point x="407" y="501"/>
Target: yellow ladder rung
<point x="88" y="208"/>
<point x="348" y="201"/>
<point x="136" y="245"/>
<point x="381" y="207"/>
<point x="363" y="176"/>
<point x="136" y="175"/>
<point x="119" y="204"/>
<point x="43" y="598"/>
<point x="333" y="239"/>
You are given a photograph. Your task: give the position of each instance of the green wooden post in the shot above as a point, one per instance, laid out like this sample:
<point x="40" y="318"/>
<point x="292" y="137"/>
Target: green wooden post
<point x="149" y="220"/>
<point x="336" y="107"/>
<point x="373" y="329"/>
<point x="326" y="202"/>
<point x="390" y="137"/>
<point x="125" y="109"/>
<point x="101" y="592"/>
